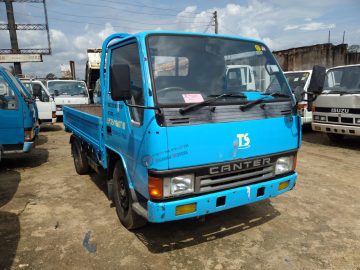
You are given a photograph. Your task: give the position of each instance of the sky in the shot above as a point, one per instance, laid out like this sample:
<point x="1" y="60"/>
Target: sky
<point x="76" y="25"/>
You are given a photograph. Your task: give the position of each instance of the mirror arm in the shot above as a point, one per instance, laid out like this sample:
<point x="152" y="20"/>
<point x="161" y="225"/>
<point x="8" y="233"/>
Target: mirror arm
<point x="143" y="107"/>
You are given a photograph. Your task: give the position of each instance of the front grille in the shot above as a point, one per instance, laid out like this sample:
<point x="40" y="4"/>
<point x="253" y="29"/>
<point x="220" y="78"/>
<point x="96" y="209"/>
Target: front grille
<point x="347" y="120"/>
<point x="209" y="183"/>
<point x="333" y="119"/>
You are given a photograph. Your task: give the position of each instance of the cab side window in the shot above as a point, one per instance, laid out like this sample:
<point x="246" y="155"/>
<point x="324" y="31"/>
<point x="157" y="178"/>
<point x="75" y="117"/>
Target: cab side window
<point x="8" y="100"/>
<point x="129" y="55"/>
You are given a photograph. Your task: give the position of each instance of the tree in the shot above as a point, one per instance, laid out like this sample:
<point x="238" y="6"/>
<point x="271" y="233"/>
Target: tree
<point x="50" y="76"/>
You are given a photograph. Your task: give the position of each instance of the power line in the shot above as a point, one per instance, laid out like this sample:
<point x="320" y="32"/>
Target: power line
<point x="227" y="29"/>
<point x="91" y="22"/>
<point x="152" y="7"/>
<point x="126" y="10"/>
<point x="124" y="20"/>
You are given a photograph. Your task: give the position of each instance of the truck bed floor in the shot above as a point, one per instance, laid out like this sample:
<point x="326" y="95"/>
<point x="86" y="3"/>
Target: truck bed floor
<point x="94" y="109"/>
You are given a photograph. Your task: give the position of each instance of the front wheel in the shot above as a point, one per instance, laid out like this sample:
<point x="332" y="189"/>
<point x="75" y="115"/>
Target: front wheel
<point x="123" y="200"/>
<point x="335" y="137"/>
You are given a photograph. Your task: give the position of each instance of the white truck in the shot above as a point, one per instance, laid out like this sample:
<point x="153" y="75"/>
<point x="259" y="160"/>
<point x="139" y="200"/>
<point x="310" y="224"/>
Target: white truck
<point x="301" y="79"/>
<point x="68" y="92"/>
<point x="240" y="77"/>
<point x="44" y="101"/>
<point x="337" y="111"/>
<point x="92" y="71"/>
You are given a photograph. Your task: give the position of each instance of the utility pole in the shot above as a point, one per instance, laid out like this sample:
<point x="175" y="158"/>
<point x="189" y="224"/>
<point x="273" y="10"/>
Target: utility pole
<point x="13" y="36"/>
<point x="329" y="37"/>
<point x="343" y="38"/>
<point x="216" y="22"/>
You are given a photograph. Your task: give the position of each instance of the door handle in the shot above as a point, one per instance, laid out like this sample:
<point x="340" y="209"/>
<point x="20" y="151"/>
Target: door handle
<point x="108" y="129"/>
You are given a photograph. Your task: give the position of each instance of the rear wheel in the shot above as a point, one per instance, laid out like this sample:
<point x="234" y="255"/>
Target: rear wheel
<point x="80" y="160"/>
<point x="335" y="137"/>
<point x="123" y="200"/>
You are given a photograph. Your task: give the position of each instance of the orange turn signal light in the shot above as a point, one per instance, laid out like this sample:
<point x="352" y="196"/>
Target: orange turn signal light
<point x="302" y="106"/>
<point x="155" y="187"/>
<point x="294" y="162"/>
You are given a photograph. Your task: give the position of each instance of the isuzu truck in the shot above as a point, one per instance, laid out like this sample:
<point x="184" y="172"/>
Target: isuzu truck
<point x="173" y="139"/>
<point x="337" y="111"/>
<point x="18" y="116"/>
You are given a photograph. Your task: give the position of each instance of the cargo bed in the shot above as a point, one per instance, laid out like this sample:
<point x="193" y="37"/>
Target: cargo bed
<point x="84" y="121"/>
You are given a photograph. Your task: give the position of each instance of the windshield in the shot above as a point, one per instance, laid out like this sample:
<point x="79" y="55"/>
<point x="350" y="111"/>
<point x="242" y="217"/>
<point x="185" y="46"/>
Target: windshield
<point x="297" y="79"/>
<point x="344" y="79"/>
<point x="24" y="92"/>
<point x="67" y="88"/>
<point x="190" y="69"/>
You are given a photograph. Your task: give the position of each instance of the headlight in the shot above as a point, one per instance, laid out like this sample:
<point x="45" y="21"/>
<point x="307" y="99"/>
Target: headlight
<point x="316" y="117"/>
<point x="357" y="120"/>
<point x="322" y="118"/>
<point x="178" y="185"/>
<point x="284" y="165"/>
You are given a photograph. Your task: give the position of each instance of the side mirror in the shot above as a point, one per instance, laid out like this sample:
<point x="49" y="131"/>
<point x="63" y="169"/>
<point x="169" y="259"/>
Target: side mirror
<point x="120" y="82"/>
<point x="36" y="90"/>
<point x="317" y="80"/>
<point x="299" y="93"/>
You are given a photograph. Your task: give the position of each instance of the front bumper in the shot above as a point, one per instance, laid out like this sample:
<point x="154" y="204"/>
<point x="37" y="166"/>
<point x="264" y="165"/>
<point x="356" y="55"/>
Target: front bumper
<point x="27" y="147"/>
<point x="337" y="129"/>
<point x="206" y="204"/>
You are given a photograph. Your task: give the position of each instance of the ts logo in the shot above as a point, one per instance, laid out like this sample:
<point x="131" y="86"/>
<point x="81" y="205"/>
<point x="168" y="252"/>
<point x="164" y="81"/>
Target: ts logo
<point x="244" y="140"/>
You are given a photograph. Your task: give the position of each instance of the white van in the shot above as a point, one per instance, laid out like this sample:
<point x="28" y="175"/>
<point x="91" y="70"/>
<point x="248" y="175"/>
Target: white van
<point x="44" y="101"/>
<point x="68" y="92"/>
<point x="301" y="79"/>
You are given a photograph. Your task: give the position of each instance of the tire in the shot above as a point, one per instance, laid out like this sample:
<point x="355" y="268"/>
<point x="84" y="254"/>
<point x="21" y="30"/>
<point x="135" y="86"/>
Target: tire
<point x="123" y="200"/>
<point x="335" y="137"/>
<point x="80" y="159"/>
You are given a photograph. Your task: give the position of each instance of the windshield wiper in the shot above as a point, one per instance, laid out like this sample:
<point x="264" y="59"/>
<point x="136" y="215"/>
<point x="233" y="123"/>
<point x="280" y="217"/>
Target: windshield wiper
<point x="276" y="94"/>
<point x="208" y="101"/>
<point x="259" y="100"/>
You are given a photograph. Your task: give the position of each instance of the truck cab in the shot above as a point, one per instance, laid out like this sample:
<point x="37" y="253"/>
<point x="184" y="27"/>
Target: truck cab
<point x="240" y="76"/>
<point x="174" y="140"/>
<point x="18" y="116"/>
<point x="301" y="79"/>
<point x="67" y="92"/>
<point x="44" y="101"/>
<point x="337" y="111"/>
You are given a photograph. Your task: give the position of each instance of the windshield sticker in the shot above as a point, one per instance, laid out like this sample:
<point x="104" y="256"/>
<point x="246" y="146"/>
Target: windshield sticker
<point x="192" y="98"/>
<point x="296" y="79"/>
<point x="258" y="49"/>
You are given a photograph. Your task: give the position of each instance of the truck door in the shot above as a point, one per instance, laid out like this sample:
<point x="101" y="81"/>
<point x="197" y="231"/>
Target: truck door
<point x="125" y="127"/>
<point x="43" y="104"/>
<point x="11" y="120"/>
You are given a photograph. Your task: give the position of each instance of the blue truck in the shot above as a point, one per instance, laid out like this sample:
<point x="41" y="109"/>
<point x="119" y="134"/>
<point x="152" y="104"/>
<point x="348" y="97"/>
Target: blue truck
<point x="18" y="116"/>
<point x="178" y="134"/>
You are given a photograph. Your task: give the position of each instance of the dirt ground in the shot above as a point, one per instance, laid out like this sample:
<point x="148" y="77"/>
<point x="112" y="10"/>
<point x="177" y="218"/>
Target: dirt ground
<point x="52" y="218"/>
